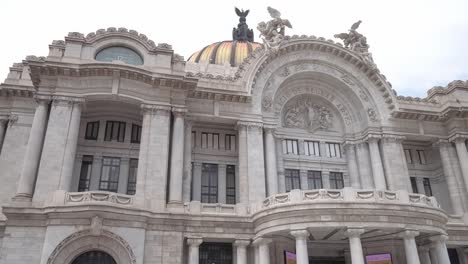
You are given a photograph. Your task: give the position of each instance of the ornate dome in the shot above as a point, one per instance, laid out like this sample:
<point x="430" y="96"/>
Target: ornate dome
<point x="232" y="52"/>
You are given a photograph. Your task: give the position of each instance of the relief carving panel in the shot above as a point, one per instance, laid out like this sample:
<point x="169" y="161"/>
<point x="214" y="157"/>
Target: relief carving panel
<point x="306" y="114"/>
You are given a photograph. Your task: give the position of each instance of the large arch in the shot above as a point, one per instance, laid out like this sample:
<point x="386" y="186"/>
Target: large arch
<point x="87" y="240"/>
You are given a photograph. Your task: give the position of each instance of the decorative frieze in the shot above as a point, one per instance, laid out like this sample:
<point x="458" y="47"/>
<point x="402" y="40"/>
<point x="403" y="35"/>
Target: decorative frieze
<point x="98" y="196"/>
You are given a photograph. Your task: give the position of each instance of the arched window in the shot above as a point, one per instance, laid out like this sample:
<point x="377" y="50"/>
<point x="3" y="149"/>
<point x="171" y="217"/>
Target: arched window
<point x="119" y="54"/>
<point x="94" y="257"/>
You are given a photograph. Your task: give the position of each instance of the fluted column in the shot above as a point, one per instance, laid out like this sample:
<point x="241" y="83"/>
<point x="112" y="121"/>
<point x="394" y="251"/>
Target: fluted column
<point x="353" y="172"/>
<point x="243" y="164"/>
<point x="364" y="164"/>
<point x="376" y="163"/>
<point x="270" y="162"/>
<point x="440" y="249"/>
<point x="3" y="123"/>
<point x="455" y="195"/>
<point x="196" y="183"/>
<point x="424" y="256"/>
<point x="354" y="236"/>
<point x="241" y="251"/>
<point x="194" y="250"/>
<point x="187" y="178"/>
<point x="33" y="151"/>
<point x="177" y="158"/>
<point x="411" y="250"/>
<point x="301" y="245"/>
<point x="263" y="250"/>
<point x="460" y="144"/>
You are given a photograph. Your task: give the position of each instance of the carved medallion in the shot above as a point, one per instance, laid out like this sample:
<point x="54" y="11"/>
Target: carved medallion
<point x="304" y="113"/>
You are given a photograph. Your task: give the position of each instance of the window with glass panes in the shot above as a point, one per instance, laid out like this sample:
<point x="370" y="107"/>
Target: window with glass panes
<point x="336" y="180"/>
<point x="290" y="146"/>
<point x="292" y="179"/>
<point x="312" y="148"/>
<point x="421" y="156"/>
<point x="408" y="156"/>
<point x="136" y="134"/>
<point x="427" y="187"/>
<point x="115" y="130"/>
<point x="92" y="130"/>
<point x="230" y="142"/>
<point x="231" y="184"/>
<point x="414" y="185"/>
<point x="85" y="173"/>
<point x="132" y="176"/>
<point x="333" y="150"/>
<point x="110" y="174"/>
<point x="210" y="140"/>
<point x="209" y="183"/>
<point x="314" y="179"/>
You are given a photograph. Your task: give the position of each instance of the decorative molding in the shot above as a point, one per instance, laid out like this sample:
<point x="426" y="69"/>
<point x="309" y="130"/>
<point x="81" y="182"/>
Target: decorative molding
<point x="156" y="109"/>
<point x="354" y="232"/>
<point x="98" y="196"/>
<point x="304" y="113"/>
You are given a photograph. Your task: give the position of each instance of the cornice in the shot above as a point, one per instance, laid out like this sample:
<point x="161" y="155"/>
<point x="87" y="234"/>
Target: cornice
<point x="12" y="92"/>
<point x="217" y="96"/>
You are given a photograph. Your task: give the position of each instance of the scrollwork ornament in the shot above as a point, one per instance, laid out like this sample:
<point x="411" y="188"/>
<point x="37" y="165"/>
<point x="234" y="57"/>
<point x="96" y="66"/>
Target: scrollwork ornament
<point x="372" y="115"/>
<point x="267" y="103"/>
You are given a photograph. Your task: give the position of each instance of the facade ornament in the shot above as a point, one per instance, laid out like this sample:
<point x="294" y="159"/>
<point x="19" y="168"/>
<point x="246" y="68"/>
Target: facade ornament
<point x="242" y="32"/>
<point x="12" y="118"/>
<point x="267" y="103"/>
<point x="96" y="226"/>
<point x="372" y="115"/>
<point x="273" y="31"/>
<point x="357" y="42"/>
<point x="303" y="113"/>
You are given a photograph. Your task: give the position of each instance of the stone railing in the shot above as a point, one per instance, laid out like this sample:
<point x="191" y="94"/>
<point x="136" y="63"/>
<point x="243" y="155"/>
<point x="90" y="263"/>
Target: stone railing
<point x="347" y="195"/>
<point x="97" y="196"/>
<point x="196" y="207"/>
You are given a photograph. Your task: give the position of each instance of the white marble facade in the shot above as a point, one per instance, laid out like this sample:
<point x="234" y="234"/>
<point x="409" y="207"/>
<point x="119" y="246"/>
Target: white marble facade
<point x="147" y="158"/>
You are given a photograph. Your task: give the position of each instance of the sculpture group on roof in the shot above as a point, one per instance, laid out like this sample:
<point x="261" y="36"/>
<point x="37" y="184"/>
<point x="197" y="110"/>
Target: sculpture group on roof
<point x="272" y="32"/>
<point x="356" y="42"/>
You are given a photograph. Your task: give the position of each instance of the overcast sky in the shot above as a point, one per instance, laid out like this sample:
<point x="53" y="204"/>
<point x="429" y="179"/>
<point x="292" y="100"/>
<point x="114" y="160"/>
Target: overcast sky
<point x="417" y="44"/>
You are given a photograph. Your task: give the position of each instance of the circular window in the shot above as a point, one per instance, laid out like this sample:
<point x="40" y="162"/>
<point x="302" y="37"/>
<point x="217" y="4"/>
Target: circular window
<point x="119" y="54"/>
<point x="94" y="257"/>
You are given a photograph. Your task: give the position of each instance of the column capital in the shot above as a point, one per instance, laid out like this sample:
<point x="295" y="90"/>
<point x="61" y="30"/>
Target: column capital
<point x="67" y="100"/>
<point x="197" y="164"/>
<point x="409" y="234"/>
<point x="440" y="238"/>
<point x="179" y="111"/>
<point x="242" y="242"/>
<point x="354" y="232"/>
<point x="442" y="143"/>
<point x="372" y="138"/>
<point x="194" y="241"/>
<point x="249" y="124"/>
<point x="300" y="234"/>
<point x="457" y="138"/>
<point x="393" y="138"/>
<point x="155" y="109"/>
<point x="188" y="124"/>
<point x="262" y="241"/>
<point x="348" y="145"/>
<point x="42" y="99"/>
<point x="269" y="128"/>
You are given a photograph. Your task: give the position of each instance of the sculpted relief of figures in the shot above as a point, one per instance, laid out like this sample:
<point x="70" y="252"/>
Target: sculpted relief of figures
<point x="272" y="32"/>
<point x="357" y="42"/>
<point x="304" y="113"/>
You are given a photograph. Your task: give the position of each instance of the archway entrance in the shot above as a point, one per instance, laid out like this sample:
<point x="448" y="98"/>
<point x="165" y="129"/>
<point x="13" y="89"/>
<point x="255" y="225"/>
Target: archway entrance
<point x="94" y="257"/>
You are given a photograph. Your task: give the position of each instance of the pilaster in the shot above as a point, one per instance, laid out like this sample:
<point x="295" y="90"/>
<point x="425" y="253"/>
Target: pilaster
<point x="376" y="163"/>
<point x="353" y="172"/>
<point x="187" y="175"/>
<point x="177" y="156"/>
<point x="270" y="161"/>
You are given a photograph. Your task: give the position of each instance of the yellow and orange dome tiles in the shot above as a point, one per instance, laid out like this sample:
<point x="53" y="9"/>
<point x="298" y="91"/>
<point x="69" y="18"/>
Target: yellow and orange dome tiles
<point x="230" y="52"/>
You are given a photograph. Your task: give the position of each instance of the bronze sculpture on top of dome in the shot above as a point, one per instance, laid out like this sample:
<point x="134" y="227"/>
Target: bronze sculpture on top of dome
<point x="272" y="32"/>
<point x="356" y="42"/>
<point x="242" y="32"/>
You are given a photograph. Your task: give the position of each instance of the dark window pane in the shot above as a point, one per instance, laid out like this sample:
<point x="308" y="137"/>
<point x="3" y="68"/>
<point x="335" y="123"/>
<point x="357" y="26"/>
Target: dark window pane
<point x="230" y="184"/>
<point x="427" y="186"/>
<point x="314" y="179"/>
<point x="109" y="174"/>
<point x="292" y="179"/>
<point x="414" y="186"/>
<point x="92" y="130"/>
<point x="115" y="130"/>
<point x="209" y="190"/>
<point x="336" y="180"/>
<point x="94" y="257"/>
<point x="136" y="134"/>
<point x="132" y="176"/>
<point x="219" y="253"/>
<point x="85" y="173"/>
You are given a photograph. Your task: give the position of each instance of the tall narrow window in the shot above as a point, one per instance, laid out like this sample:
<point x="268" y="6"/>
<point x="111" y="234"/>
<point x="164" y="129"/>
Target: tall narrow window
<point x="115" y="130"/>
<point x="312" y="148"/>
<point x="110" y="174"/>
<point x="136" y="134"/>
<point x="409" y="158"/>
<point x="210" y="140"/>
<point x="414" y="186"/>
<point x="85" y="173"/>
<point x="336" y="180"/>
<point x="290" y="146"/>
<point x="427" y="187"/>
<point x="421" y="156"/>
<point x="92" y="130"/>
<point x="209" y="183"/>
<point x="230" y="142"/>
<point x="314" y="179"/>
<point x="132" y="176"/>
<point x="333" y="150"/>
<point x="292" y="179"/>
<point x="231" y="184"/>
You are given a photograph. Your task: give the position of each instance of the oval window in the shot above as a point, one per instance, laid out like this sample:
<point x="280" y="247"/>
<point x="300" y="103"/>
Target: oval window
<point x="119" y="54"/>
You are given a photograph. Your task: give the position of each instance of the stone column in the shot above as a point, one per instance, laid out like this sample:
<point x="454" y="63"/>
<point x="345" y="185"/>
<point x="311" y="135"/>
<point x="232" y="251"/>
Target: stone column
<point x="364" y="164"/>
<point x="270" y="162"/>
<point x="187" y="178"/>
<point x="301" y="246"/>
<point x="154" y="156"/>
<point x="241" y="251"/>
<point x="424" y="256"/>
<point x="70" y="148"/>
<point x="263" y="250"/>
<point x="462" y="157"/>
<point x="196" y="183"/>
<point x="304" y="181"/>
<point x="440" y="249"/>
<point x="280" y="166"/>
<point x="354" y="236"/>
<point x="123" y="175"/>
<point x="95" y="173"/>
<point x="433" y="256"/>
<point x="194" y="248"/>
<point x="255" y="163"/>
<point x="177" y="158"/>
<point x="33" y="151"/>
<point x="243" y="164"/>
<point x="411" y="250"/>
<point x="222" y="183"/>
<point x="353" y="172"/>
<point x="376" y="163"/>
<point x="3" y="123"/>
